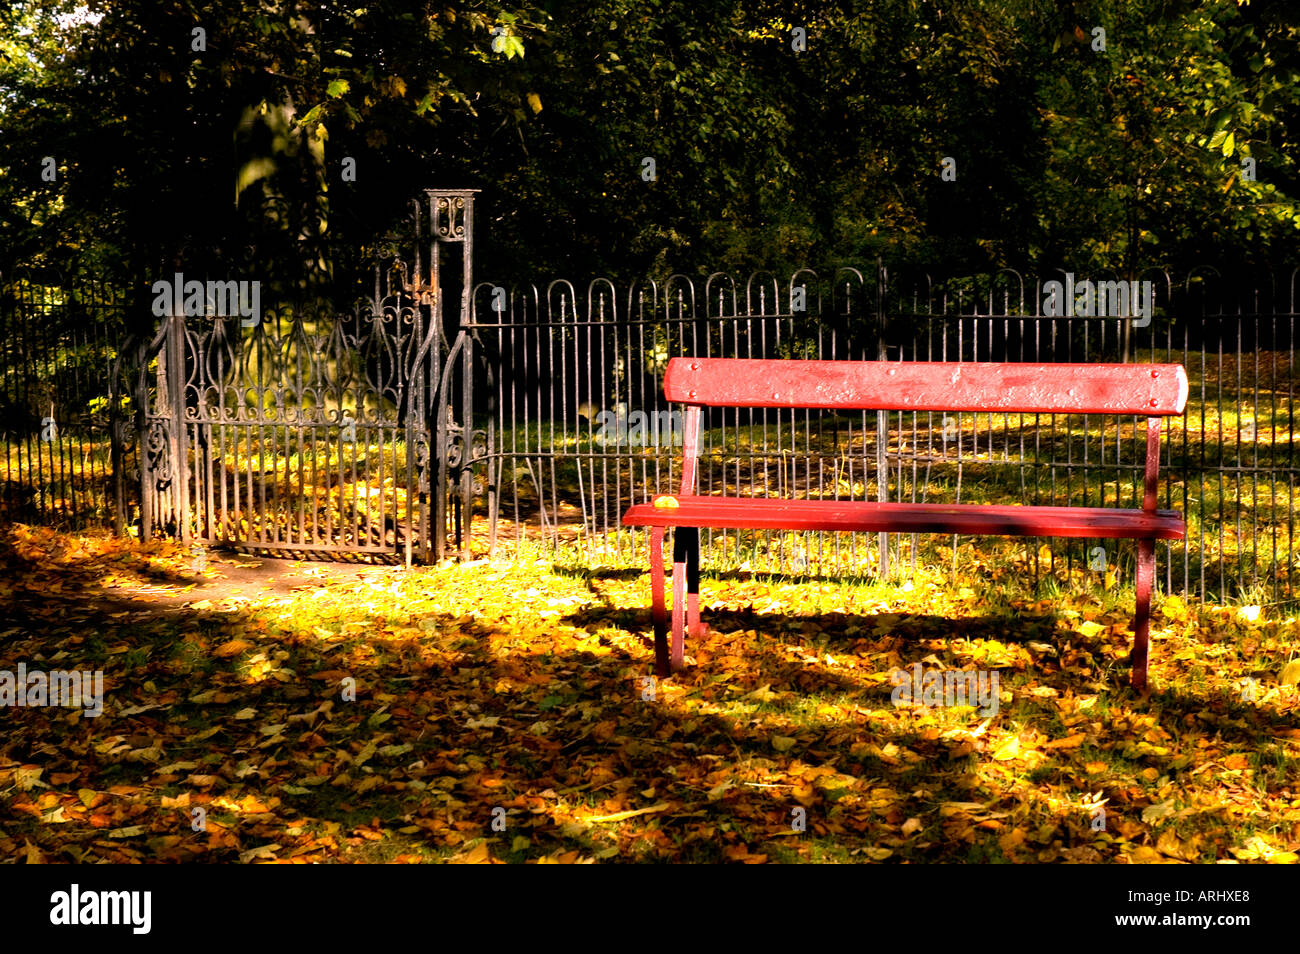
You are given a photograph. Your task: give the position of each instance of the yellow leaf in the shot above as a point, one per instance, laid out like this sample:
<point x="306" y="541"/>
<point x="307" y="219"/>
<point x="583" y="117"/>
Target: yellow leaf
<point x="535" y="102"/>
<point x="1257" y="848"/>
<point x="620" y="816"/>
<point x="1012" y="839"/>
<point x="263" y="852"/>
<point x="782" y="743"/>
<point x="478" y="855"/>
<point x="1168" y="844"/>
<point x="1174" y="609"/>
<point x="1007" y="750"/>
<point x="364" y="756"/>
<point x="666" y="502"/>
<point x="1290" y="675"/>
<point x="1153" y="813"/>
<point x="1144" y="856"/>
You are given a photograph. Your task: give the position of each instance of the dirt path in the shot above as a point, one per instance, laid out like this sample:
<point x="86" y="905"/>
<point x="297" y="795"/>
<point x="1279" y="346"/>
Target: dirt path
<point x="241" y="578"/>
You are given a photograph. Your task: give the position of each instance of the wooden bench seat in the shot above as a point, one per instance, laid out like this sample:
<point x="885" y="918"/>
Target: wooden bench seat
<point x="854" y="515"/>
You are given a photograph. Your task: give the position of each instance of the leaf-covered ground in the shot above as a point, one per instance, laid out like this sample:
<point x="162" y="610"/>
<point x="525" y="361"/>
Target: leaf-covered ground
<point x="505" y="713"/>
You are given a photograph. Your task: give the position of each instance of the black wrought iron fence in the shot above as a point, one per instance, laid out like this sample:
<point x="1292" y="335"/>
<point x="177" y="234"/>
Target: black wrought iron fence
<point x="272" y="412"/>
<point x="579" y="430"/>
<point x="1229" y="463"/>
<point x="59" y="337"/>
<point x="539" y="416"/>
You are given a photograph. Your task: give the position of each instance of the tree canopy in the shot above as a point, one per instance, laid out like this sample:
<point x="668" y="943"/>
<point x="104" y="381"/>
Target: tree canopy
<point x="1115" y="135"/>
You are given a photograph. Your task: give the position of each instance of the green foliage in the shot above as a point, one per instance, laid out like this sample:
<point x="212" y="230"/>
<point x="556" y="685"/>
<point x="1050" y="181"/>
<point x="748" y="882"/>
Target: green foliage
<point x="168" y="148"/>
<point x="766" y="155"/>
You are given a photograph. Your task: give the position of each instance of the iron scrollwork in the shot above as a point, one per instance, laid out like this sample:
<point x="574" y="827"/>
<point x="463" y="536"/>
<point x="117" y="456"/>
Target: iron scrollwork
<point x="422" y="457"/>
<point x="456" y="445"/>
<point x="456" y="459"/>
<point x="158" y="460"/>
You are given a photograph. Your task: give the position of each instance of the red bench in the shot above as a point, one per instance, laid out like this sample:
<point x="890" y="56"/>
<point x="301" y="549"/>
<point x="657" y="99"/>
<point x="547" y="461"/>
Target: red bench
<point x="1152" y="390"/>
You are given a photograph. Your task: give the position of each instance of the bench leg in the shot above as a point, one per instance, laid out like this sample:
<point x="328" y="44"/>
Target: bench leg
<point x="691" y="537"/>
<point x="658" y="613"/>
<point x="681" y="556"/>
<point x="1146" y="567"/>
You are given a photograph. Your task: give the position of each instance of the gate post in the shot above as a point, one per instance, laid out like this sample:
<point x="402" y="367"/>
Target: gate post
<point x="451" y="217"/>
<point x="451" y="222"/>
<point x="467" y="454"/>
<point x="176" y="425"/>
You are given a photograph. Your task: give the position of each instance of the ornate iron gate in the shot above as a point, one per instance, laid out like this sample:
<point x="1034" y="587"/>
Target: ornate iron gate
<point x="302" y="430"/>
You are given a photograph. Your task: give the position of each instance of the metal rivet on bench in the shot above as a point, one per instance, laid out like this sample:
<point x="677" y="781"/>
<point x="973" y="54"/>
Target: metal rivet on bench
<point x="695" y="366"/>
<point x="690" y="394"/>
<point x="1155" y="374"/>
<point x="1154" y="402"/>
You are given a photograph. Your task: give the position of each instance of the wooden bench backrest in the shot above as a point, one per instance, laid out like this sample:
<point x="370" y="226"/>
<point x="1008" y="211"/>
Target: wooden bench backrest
<point x="1153" y="390"/>
<point x="1149" y="389"/>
